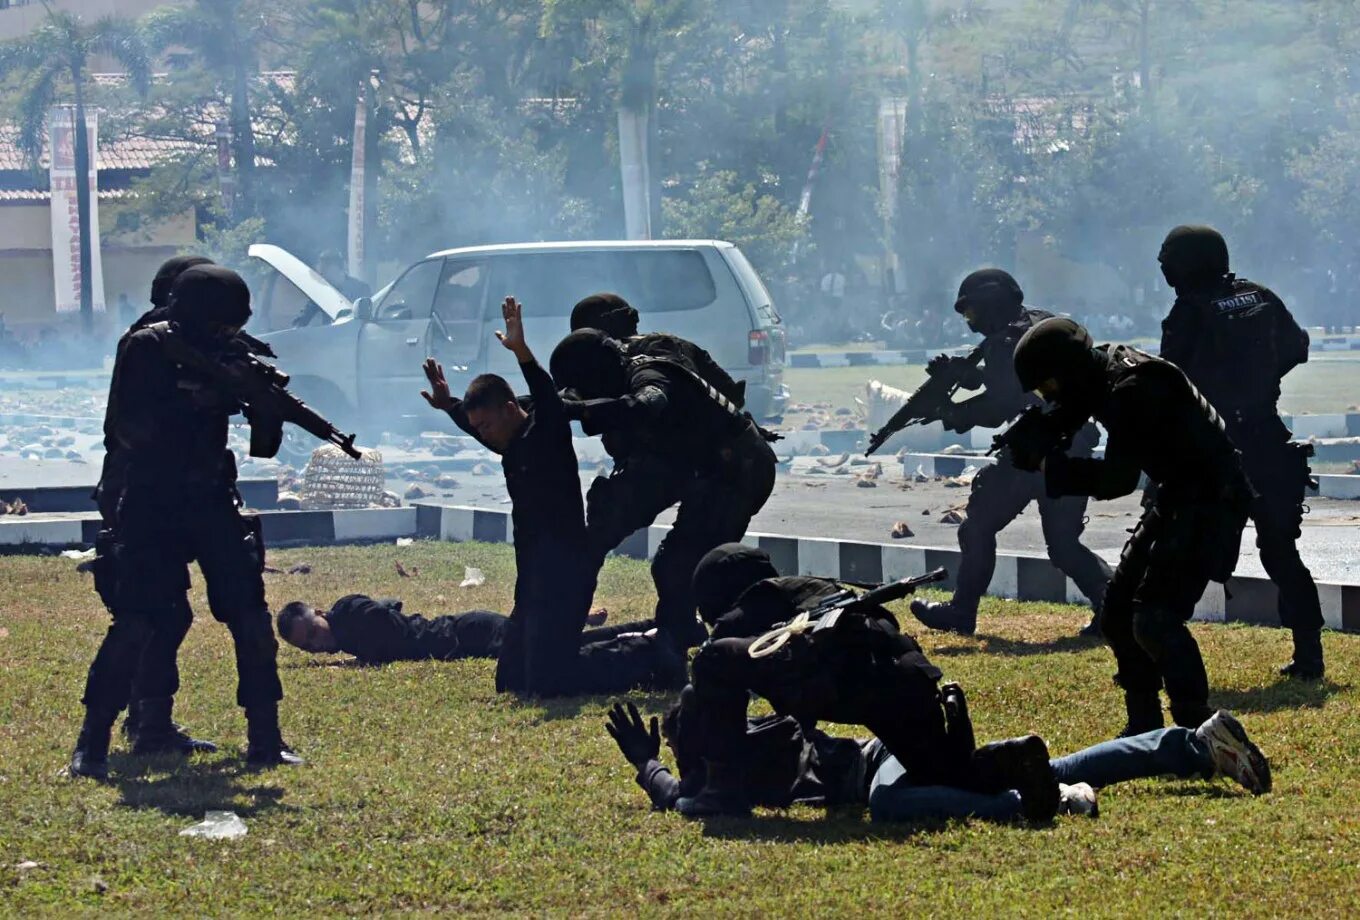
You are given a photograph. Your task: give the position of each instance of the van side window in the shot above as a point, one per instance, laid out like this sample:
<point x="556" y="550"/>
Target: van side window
<point x="550" y="283"/>
<point x="413" y="294"/>
<point x="461" y="291"/>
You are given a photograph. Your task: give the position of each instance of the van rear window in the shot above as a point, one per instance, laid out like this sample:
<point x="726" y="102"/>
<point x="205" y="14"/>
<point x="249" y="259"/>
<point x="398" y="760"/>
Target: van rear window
<point x="653" y="281"/>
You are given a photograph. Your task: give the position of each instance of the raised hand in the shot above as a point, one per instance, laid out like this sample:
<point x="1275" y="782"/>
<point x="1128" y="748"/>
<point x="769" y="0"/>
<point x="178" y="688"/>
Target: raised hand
<point x="638" y="743"/>
<point x="513" y="336"/>
<point x="439" y="395"/>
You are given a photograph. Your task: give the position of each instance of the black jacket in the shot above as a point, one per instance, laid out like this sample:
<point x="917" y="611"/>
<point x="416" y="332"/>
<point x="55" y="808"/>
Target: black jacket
<point x="541" y="470"/>
<point x="1158" y="424"/>
<point x="168" y="427"/>
<point x="1236" y="341"/>
<point x="666" y="411"/>
<point x="376" y="632"/>
<point x="1001" y="399"/>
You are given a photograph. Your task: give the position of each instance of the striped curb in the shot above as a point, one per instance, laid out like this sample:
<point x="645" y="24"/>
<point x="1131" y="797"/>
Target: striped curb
<point x="256" y="493"/>
<point x="1017" y="576"/>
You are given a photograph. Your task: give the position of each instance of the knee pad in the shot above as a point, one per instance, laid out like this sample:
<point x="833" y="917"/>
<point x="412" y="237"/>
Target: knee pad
<point x="253" y="634"/>
<point x="1153" y="624"/>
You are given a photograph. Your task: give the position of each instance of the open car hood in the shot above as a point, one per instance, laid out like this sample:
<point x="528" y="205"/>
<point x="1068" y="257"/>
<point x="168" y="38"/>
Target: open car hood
<point x="303" y="277"/>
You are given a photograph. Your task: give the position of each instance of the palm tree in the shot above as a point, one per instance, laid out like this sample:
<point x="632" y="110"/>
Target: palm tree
<point x="223" y="37"/>
<point x="639" y="28"/>
<point x="51" y="61"/>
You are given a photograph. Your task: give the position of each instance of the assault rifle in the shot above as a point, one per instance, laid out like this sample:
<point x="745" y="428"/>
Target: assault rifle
<point x="928" y="402"/>
<point x="828" y="611"/>
<point x="1039" y="432"/>
<point x="237" y="371"/>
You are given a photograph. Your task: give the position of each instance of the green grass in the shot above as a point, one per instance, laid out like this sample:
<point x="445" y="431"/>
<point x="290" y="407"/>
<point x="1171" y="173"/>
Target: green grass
<point x="1327" y="383"/>
<point x="426" y="790"/>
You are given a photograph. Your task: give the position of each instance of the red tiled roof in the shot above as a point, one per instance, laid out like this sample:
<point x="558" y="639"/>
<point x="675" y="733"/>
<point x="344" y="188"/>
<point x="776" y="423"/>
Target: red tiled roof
<point x="123" y="153"/>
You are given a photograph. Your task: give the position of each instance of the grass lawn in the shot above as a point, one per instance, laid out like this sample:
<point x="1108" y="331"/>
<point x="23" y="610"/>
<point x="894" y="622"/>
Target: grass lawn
<point x="1327" y="383"/>
<point x="426" y="790"/>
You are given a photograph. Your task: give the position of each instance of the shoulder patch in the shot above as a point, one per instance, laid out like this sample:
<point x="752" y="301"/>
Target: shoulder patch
<point x="1245" y="301"/>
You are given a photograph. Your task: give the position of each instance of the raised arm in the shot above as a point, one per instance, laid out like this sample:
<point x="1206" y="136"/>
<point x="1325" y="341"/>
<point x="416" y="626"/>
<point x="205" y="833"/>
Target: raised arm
<point x="546" y="400"/>
<point x="440" y="397"/>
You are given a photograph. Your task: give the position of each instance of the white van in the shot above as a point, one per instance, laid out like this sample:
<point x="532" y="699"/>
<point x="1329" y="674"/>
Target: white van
<point x="361" y="365"/>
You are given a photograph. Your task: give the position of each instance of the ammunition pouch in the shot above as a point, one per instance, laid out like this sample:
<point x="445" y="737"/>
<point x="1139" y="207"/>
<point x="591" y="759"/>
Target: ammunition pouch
<point x="266" y="432"/>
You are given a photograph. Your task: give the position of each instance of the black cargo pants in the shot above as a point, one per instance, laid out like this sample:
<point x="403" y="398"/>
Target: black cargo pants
<point x="1279" y="472"/>
<point x="1173" y="554"/>
<point x="1000" y="493"/>
<point x="716" y="506"/>
<point x="143" y="579"/>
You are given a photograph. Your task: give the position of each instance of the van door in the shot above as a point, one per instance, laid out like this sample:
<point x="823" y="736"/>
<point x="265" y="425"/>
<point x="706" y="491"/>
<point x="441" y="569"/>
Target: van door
<point x="392" y="347"/>
<point x="457" y="333"/>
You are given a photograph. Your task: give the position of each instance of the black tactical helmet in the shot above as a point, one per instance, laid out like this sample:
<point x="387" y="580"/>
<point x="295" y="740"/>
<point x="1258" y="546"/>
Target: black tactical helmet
<point x="206" y="296"/>
<point x="165" y="277"/>
<point x="1193" y="255"/>
<point x="589" y="362"/>
<point x="609" y="313"/>
<point x="1058" y="349"/>
<point x="993" y="296"/>
<point x="724" y="574"/>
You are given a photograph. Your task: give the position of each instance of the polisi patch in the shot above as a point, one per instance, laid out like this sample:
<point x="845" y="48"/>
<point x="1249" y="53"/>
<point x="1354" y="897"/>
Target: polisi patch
<point x="1249" y="301"/>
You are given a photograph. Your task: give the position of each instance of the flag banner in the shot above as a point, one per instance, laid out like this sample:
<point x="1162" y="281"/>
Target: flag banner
<point x="357" y="178"/>
<point x="65" y="211"/>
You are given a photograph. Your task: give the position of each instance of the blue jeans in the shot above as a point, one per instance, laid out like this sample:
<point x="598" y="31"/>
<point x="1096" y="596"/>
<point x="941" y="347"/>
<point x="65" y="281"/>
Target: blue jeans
<point x="1166" y="751"/>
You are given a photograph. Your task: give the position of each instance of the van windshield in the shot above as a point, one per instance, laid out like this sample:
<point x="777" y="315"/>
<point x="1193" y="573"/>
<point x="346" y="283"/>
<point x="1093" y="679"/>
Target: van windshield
<point x="653" y="281"/>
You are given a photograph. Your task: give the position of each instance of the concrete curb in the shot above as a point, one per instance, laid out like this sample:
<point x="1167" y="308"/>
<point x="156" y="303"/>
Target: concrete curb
<point x="1017" y="576"/>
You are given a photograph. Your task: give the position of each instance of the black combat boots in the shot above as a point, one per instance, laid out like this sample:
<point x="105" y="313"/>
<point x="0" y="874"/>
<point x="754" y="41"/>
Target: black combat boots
<point x="1307" y="663"/>
<point x="91" y="756"/>
<point x="265" y="747"/>
<point x="1021" y="764"/>
<point x="154" y="732"/>
<point x="945" y="616"/>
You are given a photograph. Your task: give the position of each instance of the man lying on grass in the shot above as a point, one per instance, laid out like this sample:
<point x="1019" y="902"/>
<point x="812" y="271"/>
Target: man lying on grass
<point x="788" y="764"/>
<point x="543" y="651"/>
<point x="376" y="631"/>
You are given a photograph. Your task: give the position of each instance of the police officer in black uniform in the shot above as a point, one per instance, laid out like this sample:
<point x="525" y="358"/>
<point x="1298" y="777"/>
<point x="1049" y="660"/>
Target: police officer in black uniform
<point x="1236" y="340"/>
<point x="1191" y="529"/>
<point x="178" y="503"/>
<point x="992" y="304"/>
<point x="149" y="723"/>
<point x="863" y="671"/>
<point x="685" y="442"/>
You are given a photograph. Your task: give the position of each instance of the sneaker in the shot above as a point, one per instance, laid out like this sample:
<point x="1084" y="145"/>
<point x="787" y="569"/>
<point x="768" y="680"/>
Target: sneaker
<point x="1233" y="753"/>
<point x="1092" y="629"/>
<point x="1078" y="799"/>
<point x="945" y="617"/>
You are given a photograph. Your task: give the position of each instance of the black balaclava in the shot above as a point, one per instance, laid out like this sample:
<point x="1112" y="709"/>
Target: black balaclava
<point x="206" y="296"/>
<point x="994" y="297"/>
<point x="1061" y="349"/>
<point x="609" y="313"/>
<point x="1193" y="256"/>
<point x="724" y="574"/>
<point x="165" y="277"/>
<point x="590" y="363"/>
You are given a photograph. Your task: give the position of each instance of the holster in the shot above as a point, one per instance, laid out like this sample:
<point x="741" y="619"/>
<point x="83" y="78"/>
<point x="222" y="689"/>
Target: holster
<point x="254" y="537"/>
<point x="105" y="567"/>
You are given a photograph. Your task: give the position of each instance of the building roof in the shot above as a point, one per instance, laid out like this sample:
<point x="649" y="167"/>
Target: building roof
<point x="36" y="196"/>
